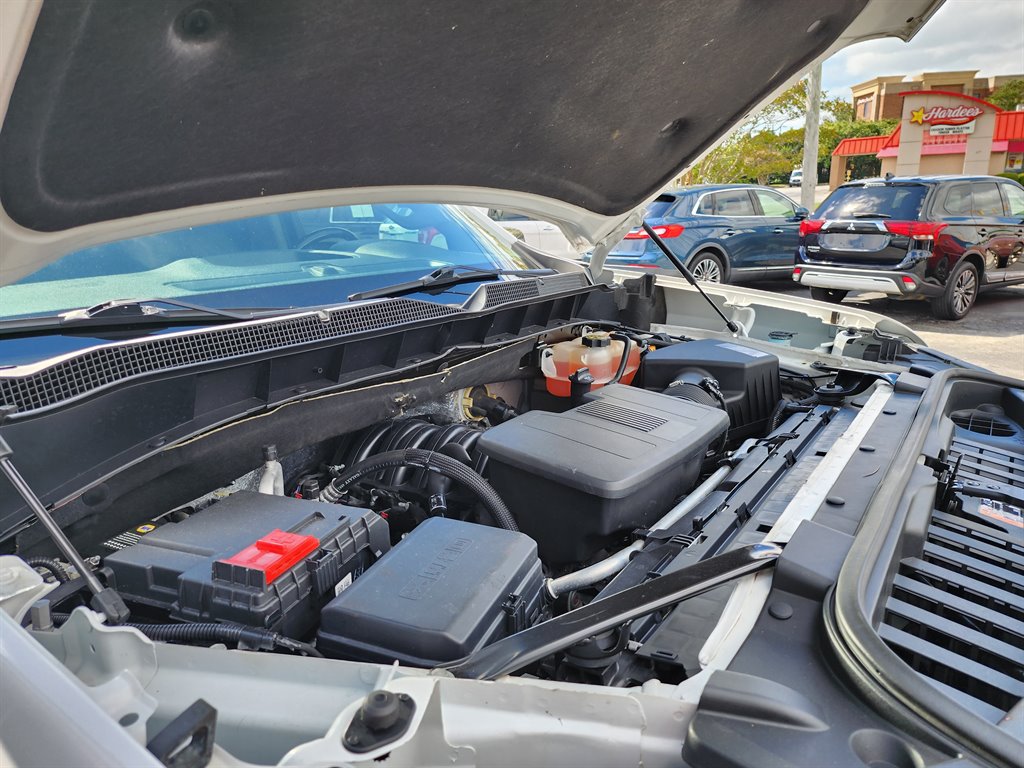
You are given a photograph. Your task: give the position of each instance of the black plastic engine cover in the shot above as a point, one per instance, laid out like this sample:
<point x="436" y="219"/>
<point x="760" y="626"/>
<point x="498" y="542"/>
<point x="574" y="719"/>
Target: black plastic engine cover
<point x="748" y="378"/>
<point x="576" y="480"/>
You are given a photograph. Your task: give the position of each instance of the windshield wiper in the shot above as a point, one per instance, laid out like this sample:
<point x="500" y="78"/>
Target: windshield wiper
<point x="445" y="277"/>
<point x="871" y="215"/>
<point x="134" y="312"/>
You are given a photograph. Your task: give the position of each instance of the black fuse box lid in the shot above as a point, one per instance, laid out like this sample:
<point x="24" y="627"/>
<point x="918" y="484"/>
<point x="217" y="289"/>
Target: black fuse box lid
<point x="441" y="593"/>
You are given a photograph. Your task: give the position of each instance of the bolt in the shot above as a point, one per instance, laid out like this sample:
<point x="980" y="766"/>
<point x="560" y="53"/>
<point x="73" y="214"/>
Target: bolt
<point x="352" y="739"/>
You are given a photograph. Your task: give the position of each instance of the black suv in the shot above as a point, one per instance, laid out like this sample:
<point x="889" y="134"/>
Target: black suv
<point x="944" y="238"/>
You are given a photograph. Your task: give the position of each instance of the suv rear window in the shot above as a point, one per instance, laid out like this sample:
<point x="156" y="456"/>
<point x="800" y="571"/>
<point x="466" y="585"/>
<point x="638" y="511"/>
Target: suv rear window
<point x="894" y="201"/>
<point x="659" y="207"/>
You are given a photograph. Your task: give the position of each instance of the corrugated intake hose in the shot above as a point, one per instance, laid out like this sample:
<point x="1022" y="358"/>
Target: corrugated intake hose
<point x="51" y="565"/>
<point x="428" y="460"/>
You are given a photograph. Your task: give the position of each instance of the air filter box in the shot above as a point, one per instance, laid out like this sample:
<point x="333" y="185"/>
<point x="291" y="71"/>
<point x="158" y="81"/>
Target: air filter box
<point x="576" y="480"/>
<point x="259" y="560"/>
<point x="748" y="378"/>
<point x="447" y="589"/>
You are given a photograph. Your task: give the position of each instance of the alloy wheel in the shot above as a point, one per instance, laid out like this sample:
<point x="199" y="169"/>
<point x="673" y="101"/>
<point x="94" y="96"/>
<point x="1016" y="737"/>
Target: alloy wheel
<point x="963" y="292"/>
<point x="708" y="271"/>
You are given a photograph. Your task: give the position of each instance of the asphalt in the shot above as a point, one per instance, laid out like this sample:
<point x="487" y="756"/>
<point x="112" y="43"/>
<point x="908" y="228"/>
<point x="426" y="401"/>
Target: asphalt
<point x="992" y="334"/>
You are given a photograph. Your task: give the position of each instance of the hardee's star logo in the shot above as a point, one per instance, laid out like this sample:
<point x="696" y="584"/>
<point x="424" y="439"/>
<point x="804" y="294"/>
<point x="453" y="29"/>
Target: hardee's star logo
<point x="917" y="116"/>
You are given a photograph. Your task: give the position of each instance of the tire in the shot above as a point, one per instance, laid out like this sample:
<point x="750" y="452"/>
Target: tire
<point x="960" y="294"/>
<point x="828" y="294"/>
<point x="708" y="267"/>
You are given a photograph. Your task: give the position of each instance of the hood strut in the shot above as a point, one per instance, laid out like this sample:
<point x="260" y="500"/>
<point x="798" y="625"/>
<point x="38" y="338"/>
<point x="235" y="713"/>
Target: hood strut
<point x="105" y="599"/>
<point x="681" y="266"/>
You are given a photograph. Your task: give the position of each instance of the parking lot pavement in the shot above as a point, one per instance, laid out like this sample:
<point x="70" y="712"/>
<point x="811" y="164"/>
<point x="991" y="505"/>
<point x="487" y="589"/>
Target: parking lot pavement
<point x="991" y="336"/>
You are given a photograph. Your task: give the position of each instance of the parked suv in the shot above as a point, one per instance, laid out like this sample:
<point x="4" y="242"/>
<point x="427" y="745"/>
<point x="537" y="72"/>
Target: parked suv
<point x="943" y="238"/>
<point x="724" y="233"/>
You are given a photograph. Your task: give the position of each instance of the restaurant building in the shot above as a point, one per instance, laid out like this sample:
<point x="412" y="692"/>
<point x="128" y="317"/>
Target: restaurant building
<point x="881" y="98"/>
<point x="940" y="132"/>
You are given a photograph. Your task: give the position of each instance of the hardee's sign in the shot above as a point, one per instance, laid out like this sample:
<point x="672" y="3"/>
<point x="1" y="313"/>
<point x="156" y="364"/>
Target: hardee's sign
<point x="958" y="115"/>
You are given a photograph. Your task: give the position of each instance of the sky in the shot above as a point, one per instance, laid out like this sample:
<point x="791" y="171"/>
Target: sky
<point x="987" y="35"/>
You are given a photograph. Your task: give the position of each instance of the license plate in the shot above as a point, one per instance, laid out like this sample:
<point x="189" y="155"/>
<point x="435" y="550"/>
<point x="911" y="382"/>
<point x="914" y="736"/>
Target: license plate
<point x="852" y="241"/>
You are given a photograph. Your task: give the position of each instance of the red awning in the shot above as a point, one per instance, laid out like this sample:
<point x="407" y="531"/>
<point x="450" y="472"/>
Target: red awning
<point x="1009" y="126"/>
<point x="859" y="145"/>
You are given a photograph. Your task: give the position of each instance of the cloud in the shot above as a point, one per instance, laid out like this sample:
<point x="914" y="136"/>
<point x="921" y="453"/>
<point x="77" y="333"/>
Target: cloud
<point x="987" y="35"/>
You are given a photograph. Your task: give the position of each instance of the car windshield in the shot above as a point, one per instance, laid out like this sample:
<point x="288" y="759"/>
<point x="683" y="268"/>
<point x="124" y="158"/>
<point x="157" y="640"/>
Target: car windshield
<point x="893" y="201"/>
<point x="295" y="259"/>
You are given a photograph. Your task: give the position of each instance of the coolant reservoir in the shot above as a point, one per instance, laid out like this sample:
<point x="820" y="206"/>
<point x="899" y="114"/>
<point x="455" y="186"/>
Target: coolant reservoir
<point x="596" y="351"/>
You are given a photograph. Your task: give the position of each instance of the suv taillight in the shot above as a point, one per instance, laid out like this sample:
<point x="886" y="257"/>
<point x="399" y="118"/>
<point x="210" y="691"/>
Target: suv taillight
<point x="916" y="230"/>
<point x="664" y="231"/>
<point x="808" y="226"/>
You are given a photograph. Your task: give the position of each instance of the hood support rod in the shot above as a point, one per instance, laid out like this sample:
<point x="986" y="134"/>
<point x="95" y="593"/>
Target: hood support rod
<point x="685" y="271"/>
<point x="105" y="600"/>
<point x="531" y="645"/>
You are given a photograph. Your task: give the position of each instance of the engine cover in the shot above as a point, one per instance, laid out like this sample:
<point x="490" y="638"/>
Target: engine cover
<point x="575" y="480"/>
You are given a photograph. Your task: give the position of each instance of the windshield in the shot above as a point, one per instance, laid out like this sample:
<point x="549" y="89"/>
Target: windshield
<point x="296" y="259"/>
<point x="892" y="201"/>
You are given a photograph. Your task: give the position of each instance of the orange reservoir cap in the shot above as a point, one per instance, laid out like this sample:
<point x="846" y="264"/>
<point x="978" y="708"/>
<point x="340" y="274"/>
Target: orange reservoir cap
<point x="596" y="351"/>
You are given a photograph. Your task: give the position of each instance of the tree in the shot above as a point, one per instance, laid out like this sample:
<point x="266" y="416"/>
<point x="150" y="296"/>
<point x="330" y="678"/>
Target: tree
<point x="1009" y="95"/>
<point x="767" y="144"/>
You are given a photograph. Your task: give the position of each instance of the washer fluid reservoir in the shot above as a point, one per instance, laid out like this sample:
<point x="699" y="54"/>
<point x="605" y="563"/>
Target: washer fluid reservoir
<point x="597" y="351"/>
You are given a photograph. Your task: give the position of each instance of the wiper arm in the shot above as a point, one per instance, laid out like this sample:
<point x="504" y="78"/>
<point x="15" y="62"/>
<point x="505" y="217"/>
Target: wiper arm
<point x="685" y="271"/>
<point x="444" y="277"/>
<point x="871" y="215"/>
<point x="132" y="312"/>
<point x="145" y="307"/>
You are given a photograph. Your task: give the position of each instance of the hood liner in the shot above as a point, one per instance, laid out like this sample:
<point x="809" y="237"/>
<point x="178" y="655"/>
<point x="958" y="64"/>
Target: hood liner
<point x="160" y="106"/>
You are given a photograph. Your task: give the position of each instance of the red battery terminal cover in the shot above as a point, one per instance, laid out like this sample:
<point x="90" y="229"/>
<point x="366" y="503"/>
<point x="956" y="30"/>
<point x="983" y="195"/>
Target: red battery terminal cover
<point x="274" y="553"/>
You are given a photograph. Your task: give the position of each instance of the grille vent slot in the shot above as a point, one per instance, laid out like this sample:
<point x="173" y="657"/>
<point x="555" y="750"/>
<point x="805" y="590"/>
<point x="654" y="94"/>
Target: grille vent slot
<point x="626" y="417"/>
<point x="983" y="423"/>
<point x="988" y="465"/>
<point x="97" y="368"/>
<point x="521" y="289"/>
<point x="956" y="614"/>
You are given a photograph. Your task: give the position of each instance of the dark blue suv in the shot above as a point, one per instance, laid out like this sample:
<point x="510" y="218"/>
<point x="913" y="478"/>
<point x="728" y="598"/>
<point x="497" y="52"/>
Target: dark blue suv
<point x="725" y="233"/>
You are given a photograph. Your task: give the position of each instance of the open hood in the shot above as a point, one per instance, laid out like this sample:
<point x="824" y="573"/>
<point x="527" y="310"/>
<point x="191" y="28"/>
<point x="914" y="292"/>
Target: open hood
<point x="125" y="118"/>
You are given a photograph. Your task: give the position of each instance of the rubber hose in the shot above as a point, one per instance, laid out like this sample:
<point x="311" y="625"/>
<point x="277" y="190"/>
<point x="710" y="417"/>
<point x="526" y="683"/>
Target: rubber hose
<point x="447" y="466"/>
<point x="211" y="632"/>
<point x="624" y="360"/>
<point x="51" y="565"/>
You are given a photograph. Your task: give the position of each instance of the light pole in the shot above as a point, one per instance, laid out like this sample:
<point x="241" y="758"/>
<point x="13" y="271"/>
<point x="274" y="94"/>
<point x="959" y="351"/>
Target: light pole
<point x="810" y="163"/>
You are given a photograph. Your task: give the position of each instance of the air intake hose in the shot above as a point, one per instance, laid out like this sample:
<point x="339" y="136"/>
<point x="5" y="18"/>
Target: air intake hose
<point x="698" y="387"/>
<point x="429" y="460"/>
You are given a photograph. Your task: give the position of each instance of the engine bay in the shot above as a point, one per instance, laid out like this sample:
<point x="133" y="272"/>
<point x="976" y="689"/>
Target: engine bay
<point x="522" y="528"/>
<point x="425" y="538"/>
